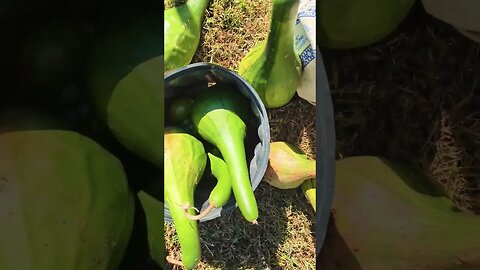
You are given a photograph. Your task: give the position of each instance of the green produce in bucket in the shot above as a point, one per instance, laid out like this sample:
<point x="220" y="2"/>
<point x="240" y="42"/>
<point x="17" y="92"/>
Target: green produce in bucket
<point x="182" y="29"/>
<point x="220" y="194"/>
<point x="180" y="110"/>
<point x="218" y="115"/>
<point x="65" y="203"/>
<point x="272" y="67"/>
<point x="185" y="161"/>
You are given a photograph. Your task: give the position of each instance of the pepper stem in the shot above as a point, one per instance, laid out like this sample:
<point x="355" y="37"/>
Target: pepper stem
<point x="199" y="216"/>
<point x="171" y="260"/>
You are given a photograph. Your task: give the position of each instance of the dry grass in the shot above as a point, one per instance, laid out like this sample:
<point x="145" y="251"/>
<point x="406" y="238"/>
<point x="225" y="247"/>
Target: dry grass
<point x="282" y="240"/>
<point x="413" y="97"/>
<point x="294" y="123"/>
<point x="285" y="236"/>
<point x="231" y="29"/>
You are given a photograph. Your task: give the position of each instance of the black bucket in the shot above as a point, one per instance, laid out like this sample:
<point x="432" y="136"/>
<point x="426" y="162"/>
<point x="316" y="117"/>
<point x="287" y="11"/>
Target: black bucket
<point x="188" y="81"/>
<point x="325" y="149"/>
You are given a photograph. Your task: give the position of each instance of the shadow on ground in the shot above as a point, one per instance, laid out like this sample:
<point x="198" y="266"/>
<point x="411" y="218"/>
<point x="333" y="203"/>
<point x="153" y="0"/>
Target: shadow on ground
<point x="282" y="239"/>
<point x="268" y="245"/>
<point x="335" y="247"/>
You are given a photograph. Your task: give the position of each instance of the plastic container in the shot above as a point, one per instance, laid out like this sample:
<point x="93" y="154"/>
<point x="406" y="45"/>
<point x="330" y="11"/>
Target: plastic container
<point x="305" y="44"/>
<point x="325" y="149"/>
<point x="189" y="80"/>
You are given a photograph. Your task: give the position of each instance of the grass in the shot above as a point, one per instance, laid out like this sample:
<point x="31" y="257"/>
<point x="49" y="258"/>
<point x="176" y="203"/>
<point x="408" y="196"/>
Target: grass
<point x="285" y="235"/>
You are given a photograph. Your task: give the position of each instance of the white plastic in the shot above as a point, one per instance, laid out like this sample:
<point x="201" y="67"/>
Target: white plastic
<point x="305" y="44"/>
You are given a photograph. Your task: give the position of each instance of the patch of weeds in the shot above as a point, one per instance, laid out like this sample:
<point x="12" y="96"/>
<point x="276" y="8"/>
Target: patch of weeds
<point x="243" y="6"/>
<point x="231" y="19"/>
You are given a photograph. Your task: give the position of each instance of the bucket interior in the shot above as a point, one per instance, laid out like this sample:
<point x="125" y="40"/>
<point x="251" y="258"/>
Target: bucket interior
<point x="189" y="82"/>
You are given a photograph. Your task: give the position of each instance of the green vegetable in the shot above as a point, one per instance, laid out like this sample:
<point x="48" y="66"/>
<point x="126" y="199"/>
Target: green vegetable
<point x="217" y="116"/>
<point x="135" y="111"/>
<point x="118" y="50"/>
<point x="309" y="189"/>
<point x="357" y="23"/>
<point x="220" y="194"/>
<point x="288" y="167"/>
<point x="182" y="29"/>
<point x="272" y="67"/>
<point x="180" y="110"/>
<point x="185" y="161"/>
<point x="65" y="203"/>
<point x="388" y="216"/>
<point x="127" y="86"/>
<point x="154" y="216"/>
<point x="222" y="191"/>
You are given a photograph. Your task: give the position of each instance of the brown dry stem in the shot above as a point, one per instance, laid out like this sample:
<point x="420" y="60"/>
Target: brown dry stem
<point x="199" y="216"/>
<point x="171" y="260"/>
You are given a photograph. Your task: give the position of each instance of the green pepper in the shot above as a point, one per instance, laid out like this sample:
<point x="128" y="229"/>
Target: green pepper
<point x="220" y="194"/>
<point x="180" y="110"/>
